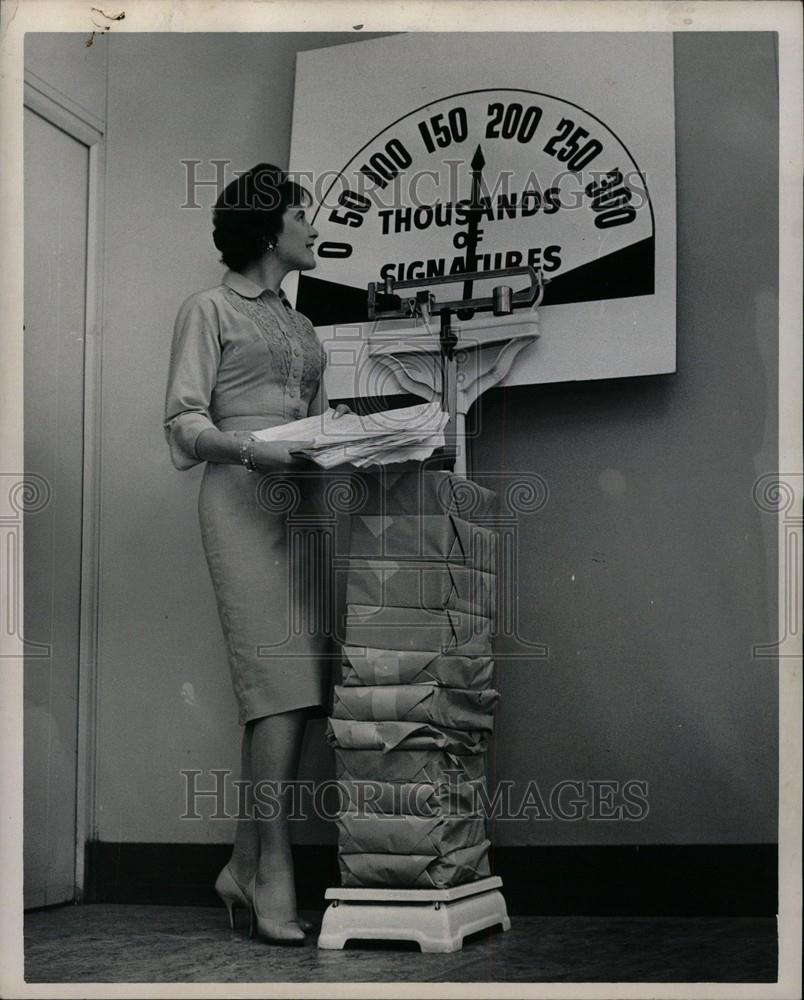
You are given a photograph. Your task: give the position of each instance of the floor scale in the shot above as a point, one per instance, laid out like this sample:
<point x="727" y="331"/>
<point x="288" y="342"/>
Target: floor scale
<point x="455" y="368"/>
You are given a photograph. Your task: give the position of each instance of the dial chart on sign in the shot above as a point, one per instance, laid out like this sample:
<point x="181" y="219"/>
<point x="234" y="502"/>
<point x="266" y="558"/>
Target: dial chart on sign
<point x="482" y="180"/>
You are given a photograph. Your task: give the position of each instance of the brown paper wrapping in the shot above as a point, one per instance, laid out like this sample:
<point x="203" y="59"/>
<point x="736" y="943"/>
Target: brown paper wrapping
<point x="364" y="665"/>
<point x="348" y="735"/>
<point x="434" y="767"/>
<point x="410" y="721"/>
<point x="417" y="628"/>
<point x="417" y="782"/>
<point x="415" y="871"/>
<point x="417" y="798"/>
<point x="428" y="537"/>
<point x="416" y="703"/>
<point x="407" y="488"/>
<point x="434" y="835"/>
<point x="436" y="585"/>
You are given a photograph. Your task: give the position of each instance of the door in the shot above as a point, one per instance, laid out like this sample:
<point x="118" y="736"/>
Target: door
<point x="57" y="185"/>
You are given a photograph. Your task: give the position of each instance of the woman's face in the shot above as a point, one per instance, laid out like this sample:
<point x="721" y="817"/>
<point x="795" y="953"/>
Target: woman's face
<point x="294" y="245"/>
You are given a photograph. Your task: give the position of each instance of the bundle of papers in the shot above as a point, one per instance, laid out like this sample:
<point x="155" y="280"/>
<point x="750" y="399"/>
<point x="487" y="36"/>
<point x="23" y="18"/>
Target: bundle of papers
<point x="409" y="434"/>
<point x="447" y="631"/>
<point x="431" y="537"/>
<point x="378" y="833"/>
<point x="413" y="798"/>
<point x="416" y="871"/>
<point x="421" y="584"/>
<point x="368" y="665"/>
<point x="431" y="767"/>
<point x="416" y="703"/>
<point x="413" y="490"/>
<point x="346" y="734"/>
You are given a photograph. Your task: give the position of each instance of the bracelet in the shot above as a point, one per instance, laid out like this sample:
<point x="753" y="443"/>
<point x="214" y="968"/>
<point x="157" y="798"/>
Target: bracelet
<point x="247" y="454"/>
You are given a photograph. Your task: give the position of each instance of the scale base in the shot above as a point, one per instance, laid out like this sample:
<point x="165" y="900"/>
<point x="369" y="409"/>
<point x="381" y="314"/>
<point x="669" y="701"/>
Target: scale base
<point x="438" y="920"/>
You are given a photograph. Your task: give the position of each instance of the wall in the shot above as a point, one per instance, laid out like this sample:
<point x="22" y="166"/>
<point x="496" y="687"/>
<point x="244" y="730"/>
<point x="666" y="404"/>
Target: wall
<point x="76" y="71"/>
<point x="165" y="700"/>
<point x="649" y="573"/>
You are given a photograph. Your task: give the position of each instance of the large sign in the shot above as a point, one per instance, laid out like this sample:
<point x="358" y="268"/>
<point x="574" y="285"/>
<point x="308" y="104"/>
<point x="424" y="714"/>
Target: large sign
<point x="433" y="155"/>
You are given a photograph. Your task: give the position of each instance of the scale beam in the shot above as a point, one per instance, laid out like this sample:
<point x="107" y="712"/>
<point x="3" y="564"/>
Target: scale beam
<point x="384" y="302"/>
<point x="435" y="370"/>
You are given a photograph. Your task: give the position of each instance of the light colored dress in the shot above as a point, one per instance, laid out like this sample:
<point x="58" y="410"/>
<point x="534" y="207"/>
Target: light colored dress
<point x="242" y="359"/>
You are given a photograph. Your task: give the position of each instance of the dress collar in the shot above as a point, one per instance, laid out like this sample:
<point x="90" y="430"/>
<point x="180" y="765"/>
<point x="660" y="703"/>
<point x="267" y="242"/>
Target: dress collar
<point x="250" y="289"/>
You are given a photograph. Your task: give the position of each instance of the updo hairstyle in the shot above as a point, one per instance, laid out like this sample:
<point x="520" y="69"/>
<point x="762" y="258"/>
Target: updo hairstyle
<point x="247" y="217"/>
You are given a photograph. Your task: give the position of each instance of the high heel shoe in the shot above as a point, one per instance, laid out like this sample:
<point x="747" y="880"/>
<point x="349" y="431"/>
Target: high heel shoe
<point x="289" y="932"/>
<point x="231" y="893"/>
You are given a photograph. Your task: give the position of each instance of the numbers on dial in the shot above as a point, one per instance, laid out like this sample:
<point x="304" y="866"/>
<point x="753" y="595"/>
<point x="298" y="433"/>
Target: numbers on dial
<point x="384" y="165"/>
<point x="334" y="251"/>
<point x="566" y="146"/>
<point x="436" y="132"/>
<point x="356" y="206"/>
<point x="609" y="197"/>
<point x="509" y="121"/>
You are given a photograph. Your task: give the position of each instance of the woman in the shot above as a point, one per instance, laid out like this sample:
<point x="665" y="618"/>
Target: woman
<point x="242" y="360"/>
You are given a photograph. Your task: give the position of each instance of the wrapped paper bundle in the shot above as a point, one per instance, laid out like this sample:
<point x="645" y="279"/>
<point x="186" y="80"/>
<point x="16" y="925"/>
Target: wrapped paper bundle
<point x="432" y="767"/>
<point x="410" y="721"/>
<point x="416" y="798"/>
<point x="409" y="537"/>
<point x="410" y="489"/>
<point x="415" y="871"/>
<point x="364" y="665"/>
<point x="392" y="436"/>
<point x="416" y="703"/>
<point x="434" y="835"/>
<point x="387" y="736"/>
<point x="416" y="628"/>
<point x="436" y="585"/>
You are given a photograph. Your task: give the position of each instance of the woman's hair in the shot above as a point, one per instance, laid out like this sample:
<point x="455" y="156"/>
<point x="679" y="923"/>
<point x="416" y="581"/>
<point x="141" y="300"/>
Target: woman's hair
<point x="248" y="213"/>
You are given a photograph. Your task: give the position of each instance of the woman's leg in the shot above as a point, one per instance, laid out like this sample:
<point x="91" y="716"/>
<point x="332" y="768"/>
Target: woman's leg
<point x="246" y="849"/>
<point x="276" y="743"/>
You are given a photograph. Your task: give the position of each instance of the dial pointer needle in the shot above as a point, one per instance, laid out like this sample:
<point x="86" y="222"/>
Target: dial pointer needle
<point x="477" y="164"/>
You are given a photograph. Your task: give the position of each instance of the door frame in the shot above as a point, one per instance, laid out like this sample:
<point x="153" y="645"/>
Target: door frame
<point x="68" y="116"/>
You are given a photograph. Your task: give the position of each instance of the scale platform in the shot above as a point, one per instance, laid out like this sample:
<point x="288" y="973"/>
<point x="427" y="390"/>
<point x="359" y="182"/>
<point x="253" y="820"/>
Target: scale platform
<point x="438" y="920"/>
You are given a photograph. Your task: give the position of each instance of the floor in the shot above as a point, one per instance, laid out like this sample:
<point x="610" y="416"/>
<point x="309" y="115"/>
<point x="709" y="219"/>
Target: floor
<point x="128" y="943"/>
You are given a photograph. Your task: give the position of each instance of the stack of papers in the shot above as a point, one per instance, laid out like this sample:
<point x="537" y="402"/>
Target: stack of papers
<point x="409" y="434"/>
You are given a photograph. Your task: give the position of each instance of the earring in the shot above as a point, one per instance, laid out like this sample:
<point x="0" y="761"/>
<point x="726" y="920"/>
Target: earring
<point x="269" y="245"/>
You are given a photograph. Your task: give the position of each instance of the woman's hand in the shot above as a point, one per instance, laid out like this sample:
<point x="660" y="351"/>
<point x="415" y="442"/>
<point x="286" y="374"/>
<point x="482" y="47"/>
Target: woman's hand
<point x="341" y="410"/>
<point x="275" y="456"/>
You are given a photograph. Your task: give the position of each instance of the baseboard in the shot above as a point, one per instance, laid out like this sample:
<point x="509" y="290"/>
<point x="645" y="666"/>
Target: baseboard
<point x="689" y="880"/>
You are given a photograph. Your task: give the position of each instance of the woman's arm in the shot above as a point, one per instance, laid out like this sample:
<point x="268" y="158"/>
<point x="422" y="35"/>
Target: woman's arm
<point x="213" y="445"/>
<point x="201" y="441"/>
<point x="194" y="357"/>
